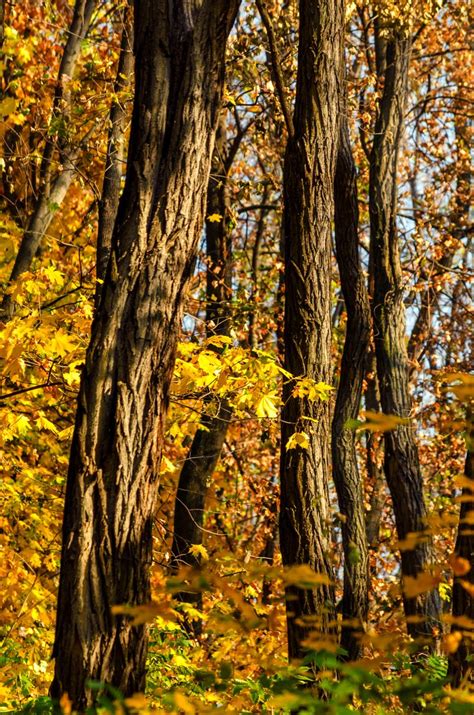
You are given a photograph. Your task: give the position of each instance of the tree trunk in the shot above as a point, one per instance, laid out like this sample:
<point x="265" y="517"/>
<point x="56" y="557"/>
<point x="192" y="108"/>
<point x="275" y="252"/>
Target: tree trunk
<point x="402" y="467"/>
<point x="355" y="601"/>
<point x="115" y="456"/>
<point x="116" y="149"/>
<point x="208" y="441"/>
<point x="310" y="164"/>
<point x="460" y="662"/>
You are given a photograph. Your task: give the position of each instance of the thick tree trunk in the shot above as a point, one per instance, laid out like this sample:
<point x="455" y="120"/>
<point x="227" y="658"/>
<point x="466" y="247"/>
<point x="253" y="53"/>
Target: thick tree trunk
<point x="402" y="467"/>
<point x="355" y="601"/>
<point x="116" y="448"/>
<point x="53" y="190"/>
<point x="208" y="442"/>
<point x="460" y="662"/>
<point x="116" y="149"/>
<point x="310" y="164"/>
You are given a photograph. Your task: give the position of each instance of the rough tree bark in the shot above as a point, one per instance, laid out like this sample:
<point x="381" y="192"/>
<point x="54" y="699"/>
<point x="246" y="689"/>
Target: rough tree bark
<point x="53" y="189"/>
<point x="401" y="462"/>
<point x="309" y="170"/>
<point x="116" y="149"/>
<point x="355" y="601"/>
<point x="208" y="442"/>
<point x="114" y="465"/>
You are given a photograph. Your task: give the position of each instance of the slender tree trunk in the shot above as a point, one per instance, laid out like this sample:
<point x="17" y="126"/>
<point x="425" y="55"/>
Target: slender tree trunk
<point x="310" y="164"/>
<point x="115" y="456"/>
<point x="460" y="662"/>
<point x="402" y="467"/>
<point x="2" y="22"/>
<point x="355" y="601"/>
<point x="54" y="189"/>
<point x="460" y="225"/>
<point x="375" y="474"/>
<point x="116" y="149"/>
<point x="208" y="441"/>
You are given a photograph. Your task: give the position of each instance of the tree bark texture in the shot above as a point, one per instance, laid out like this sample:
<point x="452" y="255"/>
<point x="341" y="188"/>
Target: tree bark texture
<point x="401" y="462"/>
<point x="115" y="456"/>
<point x="309" y="170"/>
<point x="355" y="601"/>
<point x="208" y="442"/>
<point x="115" y="159"/>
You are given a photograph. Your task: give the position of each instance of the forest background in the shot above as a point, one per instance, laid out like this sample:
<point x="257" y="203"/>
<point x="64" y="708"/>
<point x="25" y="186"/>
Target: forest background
<point x="217" y="621"/>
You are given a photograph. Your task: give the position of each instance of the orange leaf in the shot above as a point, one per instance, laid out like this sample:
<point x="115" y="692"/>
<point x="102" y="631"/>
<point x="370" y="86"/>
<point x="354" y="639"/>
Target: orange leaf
<point x="460" y="565"/>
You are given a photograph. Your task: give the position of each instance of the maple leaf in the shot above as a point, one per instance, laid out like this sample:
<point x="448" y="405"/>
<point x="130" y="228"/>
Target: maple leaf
<point x="266" y="406"/>
<point x="298" y="439"/>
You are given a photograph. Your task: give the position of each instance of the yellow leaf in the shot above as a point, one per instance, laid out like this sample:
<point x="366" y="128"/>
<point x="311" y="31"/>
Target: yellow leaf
<point x="411" y="541"/>
<point x="415" y="585"/>
<point x="7" y="106"/>
<point x="267" y="406"/>
<point x="463" y="391"/>
<point x="214" y="218"/>
<point x="314" y="642"/>
<point x="307" y="387"/>
<point x="62" y="343"/>
<point x="303" y="576"/>
<point x="167" y="466"/>
<point x="137" y="702"/>
<point x="43" y="423"/>
<point x="199" y="550"/>
<point x="209" y="362"/>
<point x="379" y="422"/>
<point x="298" y="439"/>
<point x="219" y="340"/>
<point x="452" y="641"/>
<point x="184" y="705"/>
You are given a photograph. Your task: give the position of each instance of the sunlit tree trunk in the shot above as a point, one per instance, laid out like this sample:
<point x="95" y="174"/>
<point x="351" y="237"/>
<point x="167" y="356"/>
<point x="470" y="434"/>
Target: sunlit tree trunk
<point x="114" y="465"/>
<point x="310" y="165"/>
<point x="402" y="467"/>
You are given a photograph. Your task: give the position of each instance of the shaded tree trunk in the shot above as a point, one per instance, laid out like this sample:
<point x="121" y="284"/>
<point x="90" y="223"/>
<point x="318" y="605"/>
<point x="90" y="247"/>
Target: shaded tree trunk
<point x="310" y="164"/>
<point x="116" y="149"/>
<point x="208" y="441"/>
<point x="116" y="448"/>
<point x="355" y="601"/>
<point x="460" y="662"/>
<point x="401" y="462"/>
